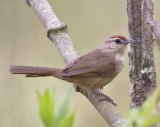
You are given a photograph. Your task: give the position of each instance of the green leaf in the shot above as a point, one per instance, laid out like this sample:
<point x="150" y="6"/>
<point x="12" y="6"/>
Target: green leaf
<point x="152" y="120"/>
<point x="63" y="108"/>
<point x="148" y="106"/>
<point x="134" y="114"/>
<point x="46" y="108"/>
<point x="52" y="117"/>
<point x="38" y="95"/>
<point x="148" y="115"/>
<point x="150" y="103"/>
<point x="67" y="122"/>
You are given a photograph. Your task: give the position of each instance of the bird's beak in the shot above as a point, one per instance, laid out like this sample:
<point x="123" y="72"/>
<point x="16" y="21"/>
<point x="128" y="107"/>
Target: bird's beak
<point x="128" y="41"/>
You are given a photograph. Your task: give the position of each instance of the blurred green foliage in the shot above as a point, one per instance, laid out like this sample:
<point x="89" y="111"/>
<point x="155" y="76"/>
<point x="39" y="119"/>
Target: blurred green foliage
<point x="148" y="116"/>
<point x="53" y="116"/>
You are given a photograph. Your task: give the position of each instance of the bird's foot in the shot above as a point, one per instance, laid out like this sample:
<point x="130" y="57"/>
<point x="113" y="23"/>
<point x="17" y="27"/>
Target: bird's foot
<point x="101" y="88"/>
<point x="77" y="88"/>
<point x="104" y="97"/>
<point x="107" y="98"/>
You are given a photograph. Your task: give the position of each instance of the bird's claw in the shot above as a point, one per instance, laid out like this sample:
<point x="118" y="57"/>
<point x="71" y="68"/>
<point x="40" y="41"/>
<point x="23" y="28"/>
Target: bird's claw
<point x="105" y="97"/>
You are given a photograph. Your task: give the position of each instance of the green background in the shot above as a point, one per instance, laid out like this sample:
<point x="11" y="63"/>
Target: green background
<point x="23" y="41"/>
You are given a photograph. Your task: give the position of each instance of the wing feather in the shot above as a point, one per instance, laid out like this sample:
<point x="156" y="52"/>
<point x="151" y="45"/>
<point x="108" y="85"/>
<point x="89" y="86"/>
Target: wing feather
<point x="94" y="63"/>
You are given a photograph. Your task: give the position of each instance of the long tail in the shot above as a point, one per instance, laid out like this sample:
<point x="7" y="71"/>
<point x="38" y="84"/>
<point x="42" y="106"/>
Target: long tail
<point x="30" y="71"/>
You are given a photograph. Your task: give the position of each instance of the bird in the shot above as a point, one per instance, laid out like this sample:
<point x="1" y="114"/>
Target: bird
<point x="93" y="70"/>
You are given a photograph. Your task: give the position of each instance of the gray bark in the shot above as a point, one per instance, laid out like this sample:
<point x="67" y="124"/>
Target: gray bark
<point x="57" y="32"/>
<point x="142" y="66"/>
<point x="157" y="32"/>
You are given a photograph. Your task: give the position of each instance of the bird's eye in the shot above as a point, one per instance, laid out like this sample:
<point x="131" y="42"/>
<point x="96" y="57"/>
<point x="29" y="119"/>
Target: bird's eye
<point x="118" y="41"/>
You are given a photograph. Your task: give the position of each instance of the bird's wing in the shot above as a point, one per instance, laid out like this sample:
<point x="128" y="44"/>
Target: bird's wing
<point x="94" y="63"/>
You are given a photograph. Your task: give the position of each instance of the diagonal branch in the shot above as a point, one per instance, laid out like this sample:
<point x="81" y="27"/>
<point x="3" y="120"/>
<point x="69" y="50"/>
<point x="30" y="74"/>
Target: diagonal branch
<point x="57" y="32"/>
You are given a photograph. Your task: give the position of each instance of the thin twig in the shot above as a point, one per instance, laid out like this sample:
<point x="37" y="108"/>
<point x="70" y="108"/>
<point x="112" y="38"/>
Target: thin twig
<point x="57" y="32"/>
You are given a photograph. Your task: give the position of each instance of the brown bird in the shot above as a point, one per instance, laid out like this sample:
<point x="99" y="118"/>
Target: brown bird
<point x="93" y="70"/>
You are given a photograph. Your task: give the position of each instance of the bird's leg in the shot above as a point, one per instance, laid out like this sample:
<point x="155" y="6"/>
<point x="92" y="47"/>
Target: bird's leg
<point x="77" y="88"/>
<point x="104" y="97"/>
<point x="101" y="88"/>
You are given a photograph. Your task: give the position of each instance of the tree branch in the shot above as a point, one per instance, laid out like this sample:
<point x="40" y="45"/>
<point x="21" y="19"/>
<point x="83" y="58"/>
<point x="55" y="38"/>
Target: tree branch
<point x="57" y="32"/>
<point x="157" y="31"/>
<point x="142" y="66"/>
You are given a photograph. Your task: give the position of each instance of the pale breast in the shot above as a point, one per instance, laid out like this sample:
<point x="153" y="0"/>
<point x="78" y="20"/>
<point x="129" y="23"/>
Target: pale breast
<point x="119" y="60"/>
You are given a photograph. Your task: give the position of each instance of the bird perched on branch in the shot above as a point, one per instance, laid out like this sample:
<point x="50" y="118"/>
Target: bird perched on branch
<point x="93" y="70"/>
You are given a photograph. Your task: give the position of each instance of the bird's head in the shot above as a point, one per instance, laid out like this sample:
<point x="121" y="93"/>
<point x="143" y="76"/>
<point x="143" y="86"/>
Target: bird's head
<point x="117" y="44"/>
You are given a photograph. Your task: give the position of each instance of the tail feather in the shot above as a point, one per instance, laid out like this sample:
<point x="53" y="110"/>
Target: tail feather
<point x="30" y="71"/>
